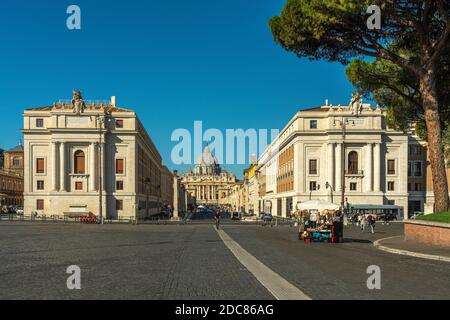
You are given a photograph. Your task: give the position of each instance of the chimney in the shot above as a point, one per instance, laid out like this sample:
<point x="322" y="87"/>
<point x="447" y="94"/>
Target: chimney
<point x="113" y="101"/>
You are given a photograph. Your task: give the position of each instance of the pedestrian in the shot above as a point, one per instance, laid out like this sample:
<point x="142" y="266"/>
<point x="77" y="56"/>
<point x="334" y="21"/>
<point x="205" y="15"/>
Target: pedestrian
<point x="362" y="222"/>
<point x="217" y="217"/>
<point x="371" y="223"/>
<point x="301" y="226"/>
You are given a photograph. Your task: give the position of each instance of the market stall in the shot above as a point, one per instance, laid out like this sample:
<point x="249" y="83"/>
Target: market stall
<point x="320" y="221"/>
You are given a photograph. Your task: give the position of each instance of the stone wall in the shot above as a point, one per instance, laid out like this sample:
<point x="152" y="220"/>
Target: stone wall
<point x="430" y="233"/>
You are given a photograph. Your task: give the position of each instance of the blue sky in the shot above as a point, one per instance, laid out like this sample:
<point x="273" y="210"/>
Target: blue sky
<point x="173" y="62"/>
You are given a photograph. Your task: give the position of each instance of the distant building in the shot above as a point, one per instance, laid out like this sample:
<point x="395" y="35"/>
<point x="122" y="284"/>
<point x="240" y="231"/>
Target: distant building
<point x="77" y="154"/>
<point x="209" y="184"/>
<point x="325" y="149"/>
<point x="13" y="160"/>
<point x="11" y="177"/>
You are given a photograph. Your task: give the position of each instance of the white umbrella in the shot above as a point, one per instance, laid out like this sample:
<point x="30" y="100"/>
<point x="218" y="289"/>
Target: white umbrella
<point x="318" y="205"/>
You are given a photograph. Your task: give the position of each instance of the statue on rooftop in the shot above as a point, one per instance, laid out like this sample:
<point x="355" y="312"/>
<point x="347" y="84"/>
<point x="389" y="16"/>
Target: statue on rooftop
<point x="356" y="103"/>
<point x="78" y="102"/>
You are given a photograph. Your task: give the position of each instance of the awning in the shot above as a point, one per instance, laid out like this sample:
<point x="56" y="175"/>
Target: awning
<point x="319" y="205"/>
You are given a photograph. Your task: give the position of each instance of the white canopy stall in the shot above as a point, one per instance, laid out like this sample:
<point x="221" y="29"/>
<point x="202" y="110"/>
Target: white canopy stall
<point x="318" y="205"/>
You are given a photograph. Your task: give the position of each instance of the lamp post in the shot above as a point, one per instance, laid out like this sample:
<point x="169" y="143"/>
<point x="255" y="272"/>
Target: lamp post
<point x="101" y="123"/>
<point x="343" y="124"/>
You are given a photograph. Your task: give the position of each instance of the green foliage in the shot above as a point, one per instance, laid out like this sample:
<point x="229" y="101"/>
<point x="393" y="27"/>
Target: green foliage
<point x="436" y="217"/>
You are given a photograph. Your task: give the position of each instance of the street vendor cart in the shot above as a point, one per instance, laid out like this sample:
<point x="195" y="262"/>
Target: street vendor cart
<point x="322" y="221"/>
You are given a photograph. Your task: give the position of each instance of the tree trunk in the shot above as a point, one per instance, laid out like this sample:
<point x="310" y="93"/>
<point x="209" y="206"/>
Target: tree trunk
<point x="436" y="155"/>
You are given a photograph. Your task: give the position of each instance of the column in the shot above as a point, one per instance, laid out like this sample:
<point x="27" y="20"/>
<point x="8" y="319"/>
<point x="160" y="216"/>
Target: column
<point x="62" y="166"/>
<point x="339" y="159"/>
<point x="92" y="165"/>
<point x="377" y="166"/>
<point x="175" y="198"/>
<point x="331" y="164"/>
<point x="368" y="167"/>
<point x="55" y="166"/>
<point x="103" y="165"/>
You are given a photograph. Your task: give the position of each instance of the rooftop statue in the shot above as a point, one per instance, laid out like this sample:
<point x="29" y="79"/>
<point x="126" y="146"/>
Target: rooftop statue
<point x="356" y="103"/>
<point x="78" y="102"/>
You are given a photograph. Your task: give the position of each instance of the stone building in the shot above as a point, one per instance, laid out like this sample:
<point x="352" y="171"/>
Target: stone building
<point x="208" y="183"/>
<point x="325" y="149"/>
<point x="83" y="158"/>
<point x="11" y="177"/>
<point x="13" y="160"/>
<point x="167" y="189"/>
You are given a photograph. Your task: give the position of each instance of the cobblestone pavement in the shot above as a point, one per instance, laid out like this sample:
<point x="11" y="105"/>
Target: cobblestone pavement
<point x="121" y="262"/>
<point x="338" y="271"/>
<point x="192" y="262"/>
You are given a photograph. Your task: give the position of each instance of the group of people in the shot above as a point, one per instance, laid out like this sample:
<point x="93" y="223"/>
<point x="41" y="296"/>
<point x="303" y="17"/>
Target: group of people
<point x="362" y="220"/>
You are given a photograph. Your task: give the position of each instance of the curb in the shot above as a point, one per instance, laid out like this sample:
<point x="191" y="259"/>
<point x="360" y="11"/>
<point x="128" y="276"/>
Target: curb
<point x="377" y="245"/>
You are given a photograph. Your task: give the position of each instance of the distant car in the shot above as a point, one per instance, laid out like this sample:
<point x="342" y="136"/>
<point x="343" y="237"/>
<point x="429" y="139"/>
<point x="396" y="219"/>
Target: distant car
<point x="266" y="217"/>
<point x="19" y="211"/>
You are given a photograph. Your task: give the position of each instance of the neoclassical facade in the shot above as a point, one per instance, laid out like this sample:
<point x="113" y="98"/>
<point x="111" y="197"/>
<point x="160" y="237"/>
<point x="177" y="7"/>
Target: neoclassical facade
<point x="325" y="149"/>
<point x="208" y="183"/>
<point x="89" y="158"/>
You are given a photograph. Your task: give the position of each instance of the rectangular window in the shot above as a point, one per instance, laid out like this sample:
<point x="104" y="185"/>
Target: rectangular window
<point x="417" y="168"/>
<point x="353" y="186"/>
<point x="312" y="186"/>
<point x="119" y="166"/>
<point x="418" y="187"/>
<point x="39" y="204"/>
<point x="312" y="166"/>
<point x="409" y="168"/>
<point x="391" y="166"/>
<point x="391" y="186"/>
<point x="39" y="123"/>
<point x="40" y="165"/>
<point x="78" y="185"/>
<point x="409" y="186"/>
<point x="16" y="162"/>
<point x="119" y="124"/>
<point x="119" y="185"/>
<point x="313" y="124"/>
<point x="40" y="185"/>
<point x="119" y="204"/>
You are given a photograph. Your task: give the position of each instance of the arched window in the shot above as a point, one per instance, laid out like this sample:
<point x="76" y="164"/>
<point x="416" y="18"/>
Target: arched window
<point x="353" y="162"/>
<point x="79" y="160"/>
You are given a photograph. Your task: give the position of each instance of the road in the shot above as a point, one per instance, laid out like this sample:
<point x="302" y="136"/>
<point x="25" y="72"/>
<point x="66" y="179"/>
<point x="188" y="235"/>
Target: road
<point x="194" y="261"/>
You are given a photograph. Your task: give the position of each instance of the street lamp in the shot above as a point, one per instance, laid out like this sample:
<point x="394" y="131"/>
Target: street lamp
<point x="343" y="124"/>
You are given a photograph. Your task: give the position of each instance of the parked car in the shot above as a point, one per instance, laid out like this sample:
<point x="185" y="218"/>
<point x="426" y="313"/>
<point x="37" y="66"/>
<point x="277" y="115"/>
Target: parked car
<point x="266" y="217"/>
<point x="19" y="211"/>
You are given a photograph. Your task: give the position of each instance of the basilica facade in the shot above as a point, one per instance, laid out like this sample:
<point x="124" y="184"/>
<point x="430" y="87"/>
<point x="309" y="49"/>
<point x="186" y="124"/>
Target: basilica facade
<point x="208" y="183"/>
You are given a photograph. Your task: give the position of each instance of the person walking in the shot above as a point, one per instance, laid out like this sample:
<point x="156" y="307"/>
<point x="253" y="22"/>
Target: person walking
<point x="217" y="218"/>
<point x="362" y="222"/>
<point x="371" y="223"/>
